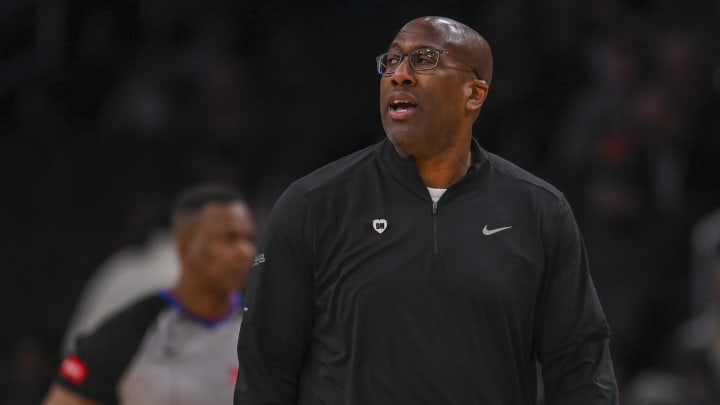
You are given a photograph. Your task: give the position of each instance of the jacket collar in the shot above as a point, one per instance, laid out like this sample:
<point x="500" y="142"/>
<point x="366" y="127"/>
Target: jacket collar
<point x="404" y="171"/>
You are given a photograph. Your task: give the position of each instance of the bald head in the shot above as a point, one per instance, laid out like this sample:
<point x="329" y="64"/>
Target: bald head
<point x="463" y="41"/>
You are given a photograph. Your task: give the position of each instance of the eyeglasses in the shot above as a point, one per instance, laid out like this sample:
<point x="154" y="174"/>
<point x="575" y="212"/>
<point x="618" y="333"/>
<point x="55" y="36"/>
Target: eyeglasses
<point x="420" y="59"/>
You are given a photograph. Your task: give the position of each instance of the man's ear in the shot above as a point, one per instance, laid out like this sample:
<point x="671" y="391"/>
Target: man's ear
<point x="184" y="240"/>
<point x="478" y="91"/>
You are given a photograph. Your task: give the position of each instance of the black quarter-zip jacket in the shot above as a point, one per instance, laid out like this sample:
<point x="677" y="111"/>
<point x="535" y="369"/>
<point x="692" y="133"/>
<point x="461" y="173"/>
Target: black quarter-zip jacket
<point x="365" y="292"/>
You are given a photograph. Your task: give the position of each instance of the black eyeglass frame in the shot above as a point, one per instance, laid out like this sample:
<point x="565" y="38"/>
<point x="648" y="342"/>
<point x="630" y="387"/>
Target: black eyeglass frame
<point x="382" y="68"/>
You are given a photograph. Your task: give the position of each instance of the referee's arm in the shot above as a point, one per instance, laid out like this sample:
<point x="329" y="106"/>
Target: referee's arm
<point x="59" y="395"/>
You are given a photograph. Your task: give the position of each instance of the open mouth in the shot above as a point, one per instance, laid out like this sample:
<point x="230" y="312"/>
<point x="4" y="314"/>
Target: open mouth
<point x="401" y="109"/>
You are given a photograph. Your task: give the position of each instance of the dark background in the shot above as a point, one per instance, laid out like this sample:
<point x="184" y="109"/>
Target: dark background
<point x="108" y="109"/>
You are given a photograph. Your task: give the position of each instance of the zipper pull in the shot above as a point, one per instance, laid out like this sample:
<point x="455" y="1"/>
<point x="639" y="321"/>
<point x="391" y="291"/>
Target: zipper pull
<point x="434" y="207"/>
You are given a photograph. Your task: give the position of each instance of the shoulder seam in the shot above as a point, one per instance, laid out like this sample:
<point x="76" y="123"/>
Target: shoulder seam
<point x="359" y="156"/>
<point x="550" y="190"/>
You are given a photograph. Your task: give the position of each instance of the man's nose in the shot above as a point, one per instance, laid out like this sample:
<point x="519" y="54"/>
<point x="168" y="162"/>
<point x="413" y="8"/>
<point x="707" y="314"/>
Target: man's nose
<point x="404" y="75"/>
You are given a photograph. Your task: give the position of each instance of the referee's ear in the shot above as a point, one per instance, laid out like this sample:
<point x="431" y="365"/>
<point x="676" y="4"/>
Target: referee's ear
<point x="183" y="229"/>
<point x="183" y="241"/>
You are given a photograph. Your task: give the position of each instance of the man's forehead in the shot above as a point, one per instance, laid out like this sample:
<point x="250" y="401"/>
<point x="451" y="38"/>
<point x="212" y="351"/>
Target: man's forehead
<point x="427" y="32"/>
<point x="224" y="209"/>
<point x="415" y="39"/>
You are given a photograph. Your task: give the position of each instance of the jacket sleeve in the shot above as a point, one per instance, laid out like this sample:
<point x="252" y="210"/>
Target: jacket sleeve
<point x="573" y="341"/>
<point x="279" y="302"/>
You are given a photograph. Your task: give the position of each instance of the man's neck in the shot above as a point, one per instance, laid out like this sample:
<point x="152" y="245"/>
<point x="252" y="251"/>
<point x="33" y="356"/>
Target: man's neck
<point x="446" y="170"/>
<point x="201" y="303"/>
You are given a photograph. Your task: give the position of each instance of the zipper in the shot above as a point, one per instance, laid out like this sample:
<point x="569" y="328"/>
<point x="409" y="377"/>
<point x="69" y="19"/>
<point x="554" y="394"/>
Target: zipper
<point x="435" y="238"/>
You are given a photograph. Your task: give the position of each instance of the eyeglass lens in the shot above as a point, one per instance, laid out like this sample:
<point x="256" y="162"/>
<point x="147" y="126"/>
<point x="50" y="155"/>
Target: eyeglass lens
<point x="420" y="59"/>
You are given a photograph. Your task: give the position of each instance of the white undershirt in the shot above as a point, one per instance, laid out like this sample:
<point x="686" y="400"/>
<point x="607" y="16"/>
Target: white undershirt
<point x="436" y="193"/>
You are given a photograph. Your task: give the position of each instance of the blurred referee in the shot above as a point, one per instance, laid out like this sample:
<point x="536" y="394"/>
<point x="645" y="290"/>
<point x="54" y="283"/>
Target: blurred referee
<point x="175" y="346"/>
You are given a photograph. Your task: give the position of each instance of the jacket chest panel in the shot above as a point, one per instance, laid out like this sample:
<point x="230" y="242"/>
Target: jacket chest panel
<point x="379" y="255"/>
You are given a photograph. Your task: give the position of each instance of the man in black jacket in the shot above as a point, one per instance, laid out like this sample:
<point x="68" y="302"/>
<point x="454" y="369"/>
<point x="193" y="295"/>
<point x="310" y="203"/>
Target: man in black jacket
<point x="423" y="269"/>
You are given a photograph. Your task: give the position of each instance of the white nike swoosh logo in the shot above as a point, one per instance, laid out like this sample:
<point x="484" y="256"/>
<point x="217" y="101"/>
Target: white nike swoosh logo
<point x="488" y="232"/>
